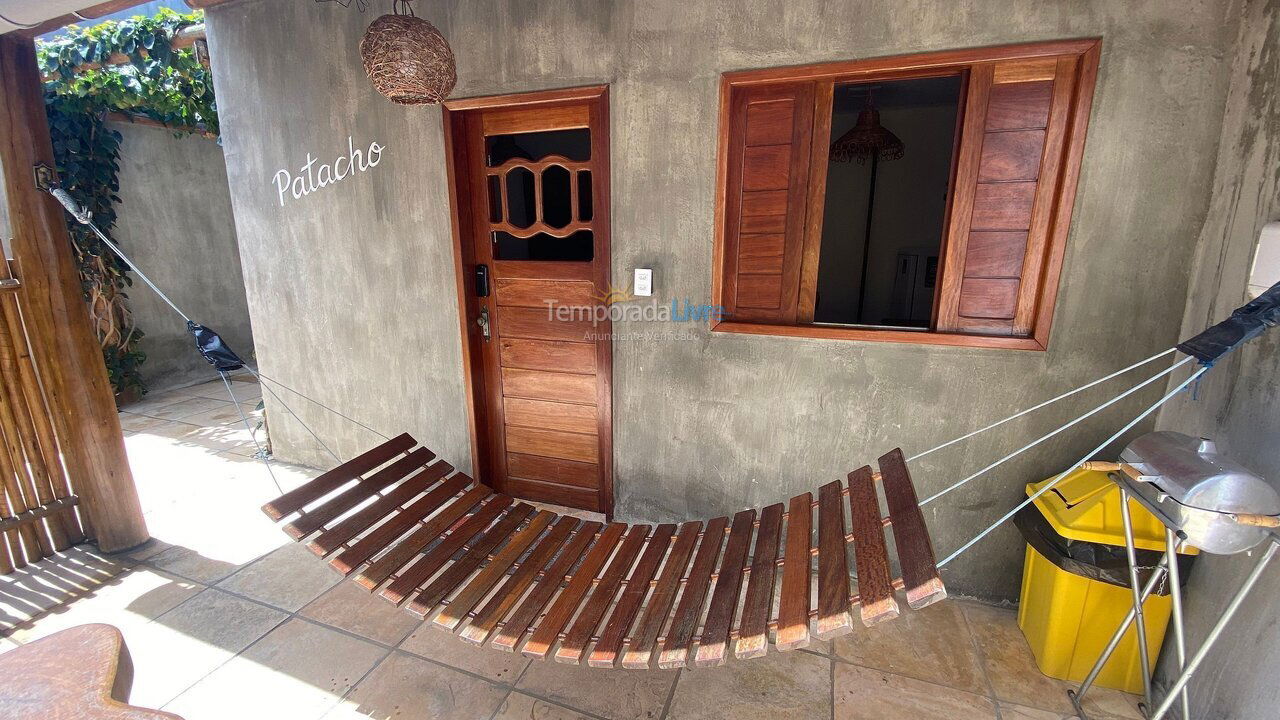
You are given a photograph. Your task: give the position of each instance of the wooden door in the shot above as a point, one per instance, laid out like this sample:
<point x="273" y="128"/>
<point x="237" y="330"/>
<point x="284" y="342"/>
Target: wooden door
<point x="531" y="177"/>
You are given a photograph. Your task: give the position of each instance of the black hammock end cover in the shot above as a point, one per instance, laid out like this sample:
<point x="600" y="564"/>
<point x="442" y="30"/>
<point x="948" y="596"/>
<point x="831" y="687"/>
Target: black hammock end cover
<point x="1246" y="323"/>
<point x="214" y="349"/>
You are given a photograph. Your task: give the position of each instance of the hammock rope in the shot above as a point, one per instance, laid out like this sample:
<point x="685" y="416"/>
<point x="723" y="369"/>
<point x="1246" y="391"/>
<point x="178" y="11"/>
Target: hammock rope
<point x="1100" y="447"/>
<point x="1058" y="430"/>
<point x="1046" y="403"/>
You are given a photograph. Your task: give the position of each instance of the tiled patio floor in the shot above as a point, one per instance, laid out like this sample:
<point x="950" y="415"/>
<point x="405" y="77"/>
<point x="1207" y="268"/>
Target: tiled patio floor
<point x="227" y="619"/>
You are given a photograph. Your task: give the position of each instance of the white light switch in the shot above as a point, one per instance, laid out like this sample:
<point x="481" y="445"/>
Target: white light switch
<point x="644" y="282"/>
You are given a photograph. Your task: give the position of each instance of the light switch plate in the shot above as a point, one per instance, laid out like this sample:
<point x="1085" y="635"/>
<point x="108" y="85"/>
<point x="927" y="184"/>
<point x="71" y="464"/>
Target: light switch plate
<point x="643" y="282"/>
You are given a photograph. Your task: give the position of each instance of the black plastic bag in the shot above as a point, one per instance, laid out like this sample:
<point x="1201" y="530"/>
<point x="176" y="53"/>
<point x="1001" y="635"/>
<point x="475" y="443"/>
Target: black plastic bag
<point x="214" y="349"/>
<point x="1246" y="323"/>
<point x="1096" y="561"/>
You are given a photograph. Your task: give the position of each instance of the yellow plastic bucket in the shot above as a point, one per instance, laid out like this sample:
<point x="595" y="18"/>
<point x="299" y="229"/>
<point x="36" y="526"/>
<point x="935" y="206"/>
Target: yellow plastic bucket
<point x="1068" y="619"/>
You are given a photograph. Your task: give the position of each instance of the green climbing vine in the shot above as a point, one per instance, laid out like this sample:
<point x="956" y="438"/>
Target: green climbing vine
<point x="84" y="81"/>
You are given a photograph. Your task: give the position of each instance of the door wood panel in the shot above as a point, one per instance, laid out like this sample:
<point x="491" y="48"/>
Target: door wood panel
<point x="552" y="444"/>
<point x="534" y="324"/>
<point x="537" y="293"/>
<point x="554" y="356"/>
<point x="550" y="415"/>
<point x="552" y="470"/>
<point x="540" y="381"/>
<point x="560" y="387"/>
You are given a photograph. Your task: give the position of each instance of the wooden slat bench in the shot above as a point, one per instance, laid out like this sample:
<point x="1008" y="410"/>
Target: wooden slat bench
<point x="503" y="573"/>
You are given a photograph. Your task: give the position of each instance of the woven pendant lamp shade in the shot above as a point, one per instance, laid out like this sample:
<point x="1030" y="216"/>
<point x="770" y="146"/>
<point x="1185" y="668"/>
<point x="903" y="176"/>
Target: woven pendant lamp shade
<point x="867" y="139"/>
<point x="408" y="59"/>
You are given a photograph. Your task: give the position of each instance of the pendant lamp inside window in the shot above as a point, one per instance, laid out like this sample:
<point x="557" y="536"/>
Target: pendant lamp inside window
<point x="867" y="139"/>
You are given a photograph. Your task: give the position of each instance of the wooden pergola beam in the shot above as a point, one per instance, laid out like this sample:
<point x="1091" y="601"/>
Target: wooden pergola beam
<point x="93" y="12"/>
<point x="68" y="356"/>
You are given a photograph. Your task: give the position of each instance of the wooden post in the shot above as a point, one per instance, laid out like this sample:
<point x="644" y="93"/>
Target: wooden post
<point x="67" y="354"/>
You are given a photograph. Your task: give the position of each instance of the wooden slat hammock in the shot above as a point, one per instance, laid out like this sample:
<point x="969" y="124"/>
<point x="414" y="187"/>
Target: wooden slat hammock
<point x="405" y="524"/>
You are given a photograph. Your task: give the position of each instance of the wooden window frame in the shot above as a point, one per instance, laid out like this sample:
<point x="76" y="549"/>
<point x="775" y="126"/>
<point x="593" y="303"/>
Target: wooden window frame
<point x="918" y="65"/>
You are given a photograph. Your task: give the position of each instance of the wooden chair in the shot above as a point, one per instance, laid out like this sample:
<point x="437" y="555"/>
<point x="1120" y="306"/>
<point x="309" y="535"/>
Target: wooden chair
<point x="81" y="672"/>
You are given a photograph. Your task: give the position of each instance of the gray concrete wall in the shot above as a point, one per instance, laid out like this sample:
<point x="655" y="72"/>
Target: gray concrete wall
<point x="174" y="219"/>
<point x="1238" y="403"/>
<point x="718" y="422"/>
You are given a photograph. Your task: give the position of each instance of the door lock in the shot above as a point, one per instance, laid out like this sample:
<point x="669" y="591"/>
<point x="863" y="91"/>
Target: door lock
<point x="483" y="322"/>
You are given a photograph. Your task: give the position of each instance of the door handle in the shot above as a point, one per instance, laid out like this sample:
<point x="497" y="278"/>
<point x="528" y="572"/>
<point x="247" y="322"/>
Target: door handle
<point x="483" y="322"/>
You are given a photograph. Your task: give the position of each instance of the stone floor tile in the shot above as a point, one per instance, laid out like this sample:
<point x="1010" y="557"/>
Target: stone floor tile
<point x="932" y="644"/>
<point x="1010" y="664"/>
<point x="191" y="564"/>
<point x="222" y="619"/>
<point x="133" y="598"/>
<point x="182" y="409"/>
<point x="1009" y="711"/>
<point x="615" y="694"/>
<point x="245" y="391"/>
<point x="1104" y="704"/>
<point x="187" y="643"/>
<point x="431" y="642"/>
<point x="288" y="578"/>
<point x="225" y="414"/>
<point x="135" y="423"/>
<point x="154" y="401"/>
<point x="519" y="706"/>
<point x="779" y="686"/>
<point x="299" y="671"/>
<point x="868" y="694"/>
<point x="356" y="610"/>
<point x="410" y="687"/>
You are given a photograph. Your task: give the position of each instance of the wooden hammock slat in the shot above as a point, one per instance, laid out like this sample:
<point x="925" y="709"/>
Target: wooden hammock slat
<point x="875" y="585"/>
<point x="453" y="575"/>
<point x="675" y="651"/>
<point x="388" y="532"/>
<point x="645" y="641"/>
<point x="713" y="646"/>
<point x="300" y="497"/>
<point x="915" y="550"/>
<point x="607" y="649"/>
<point x="366" y="517"/>
<point x="834" y="616"/>
<point x="601" y="598"/>
<point x="317" y="518"/>
<point x="398" y="556"/>
<point x="522" y="619"/>
<point x="413" y="576"/>
<point x="793" y="604"/>
<point x="506" y="596"/>
<point x="567" y="602"/>
<point x="456" y="611"/>
<point x="435" y="538"/>
<point x="753" y="633"/>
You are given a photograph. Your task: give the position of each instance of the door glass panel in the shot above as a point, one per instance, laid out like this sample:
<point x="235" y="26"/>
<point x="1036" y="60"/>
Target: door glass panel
<point x="577" y="247"/>
<point x="571" y="144"/>
<point x="556" y="200"/>
<point x="584" y="195"/>
<point x="521" y="208"/>
<point x="495" y="199"/>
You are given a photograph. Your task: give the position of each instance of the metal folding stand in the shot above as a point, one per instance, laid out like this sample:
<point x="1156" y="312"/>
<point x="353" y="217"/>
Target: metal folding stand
<point x="1168" y="565"/>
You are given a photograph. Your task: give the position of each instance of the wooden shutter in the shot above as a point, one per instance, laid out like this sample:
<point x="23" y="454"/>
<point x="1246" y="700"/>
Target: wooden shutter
<point x="766" y="184"/>
<point x="1009" y="182"/>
